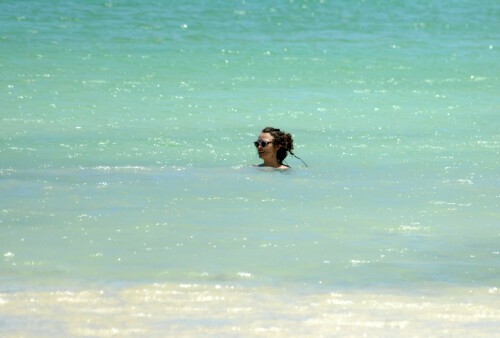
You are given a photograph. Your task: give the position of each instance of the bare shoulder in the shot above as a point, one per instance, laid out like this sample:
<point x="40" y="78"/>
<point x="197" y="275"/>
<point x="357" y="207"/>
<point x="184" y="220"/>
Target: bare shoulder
<point x="263" y="166"/>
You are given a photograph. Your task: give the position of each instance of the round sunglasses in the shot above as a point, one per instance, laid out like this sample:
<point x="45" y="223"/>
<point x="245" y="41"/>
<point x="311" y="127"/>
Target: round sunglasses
<point x="261" y="143"/>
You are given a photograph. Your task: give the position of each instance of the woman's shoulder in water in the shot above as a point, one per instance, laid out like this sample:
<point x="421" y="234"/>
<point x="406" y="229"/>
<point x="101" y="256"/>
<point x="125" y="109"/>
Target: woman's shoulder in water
<point x="283" y="166"/>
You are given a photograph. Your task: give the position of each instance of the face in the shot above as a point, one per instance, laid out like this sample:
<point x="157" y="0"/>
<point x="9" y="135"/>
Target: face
<point x="270" y="150"/>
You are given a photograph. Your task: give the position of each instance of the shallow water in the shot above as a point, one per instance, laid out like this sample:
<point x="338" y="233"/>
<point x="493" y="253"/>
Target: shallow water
<point x="193" y="310"/>
<point x="126" y="157"/>
<point x="218" y="224"/>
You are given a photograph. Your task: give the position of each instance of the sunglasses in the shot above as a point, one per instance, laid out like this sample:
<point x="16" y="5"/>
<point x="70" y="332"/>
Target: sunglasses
<point x="261" y="143"/>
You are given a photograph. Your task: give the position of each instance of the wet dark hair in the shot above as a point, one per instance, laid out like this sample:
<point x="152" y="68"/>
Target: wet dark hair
<point x="284" y="140"/>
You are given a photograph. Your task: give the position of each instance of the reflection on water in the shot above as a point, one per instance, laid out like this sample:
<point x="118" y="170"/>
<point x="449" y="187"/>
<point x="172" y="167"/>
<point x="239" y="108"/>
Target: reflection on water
<point x="194" y="309"/>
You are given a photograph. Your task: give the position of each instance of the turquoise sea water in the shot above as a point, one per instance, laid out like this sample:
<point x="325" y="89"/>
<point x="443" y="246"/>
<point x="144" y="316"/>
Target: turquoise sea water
<point x="127" y="188"/>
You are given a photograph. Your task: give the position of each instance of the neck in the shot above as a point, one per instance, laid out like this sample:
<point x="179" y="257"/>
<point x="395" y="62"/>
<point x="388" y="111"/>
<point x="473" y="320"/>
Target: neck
<point x="271" y="163"/>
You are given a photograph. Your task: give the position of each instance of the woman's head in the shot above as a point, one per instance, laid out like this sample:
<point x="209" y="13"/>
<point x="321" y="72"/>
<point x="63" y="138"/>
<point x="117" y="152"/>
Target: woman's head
<point x="273" y="146"/>
<point x="282" y="142"/>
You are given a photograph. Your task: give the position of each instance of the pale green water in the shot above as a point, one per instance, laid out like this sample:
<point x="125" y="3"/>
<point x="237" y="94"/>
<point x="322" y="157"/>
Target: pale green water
<point x="126" y="133"/>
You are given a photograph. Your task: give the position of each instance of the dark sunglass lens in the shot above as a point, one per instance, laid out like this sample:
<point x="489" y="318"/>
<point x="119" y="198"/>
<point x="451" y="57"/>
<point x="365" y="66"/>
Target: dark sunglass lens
<point x="256" y="143"/>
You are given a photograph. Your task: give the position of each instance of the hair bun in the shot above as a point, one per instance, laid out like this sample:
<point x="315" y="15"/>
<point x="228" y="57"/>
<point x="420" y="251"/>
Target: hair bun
<point x="288" y="142"/>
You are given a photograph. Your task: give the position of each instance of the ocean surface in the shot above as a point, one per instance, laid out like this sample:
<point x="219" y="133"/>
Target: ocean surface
<point x="129" y="203"/>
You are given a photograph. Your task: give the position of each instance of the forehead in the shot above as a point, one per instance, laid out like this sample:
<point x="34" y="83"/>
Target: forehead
<point x="266" y="137"/>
